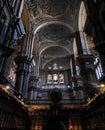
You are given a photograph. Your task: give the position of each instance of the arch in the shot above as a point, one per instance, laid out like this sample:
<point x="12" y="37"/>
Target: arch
<point x="41" y="25"/>
<point x="59" y="59"/>
<point x="37" y="28"/>
<point x="82" y="17"/>
<point x="45" y="48"/>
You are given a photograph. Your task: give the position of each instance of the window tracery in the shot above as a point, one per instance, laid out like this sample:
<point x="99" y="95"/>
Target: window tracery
<point x="55" y="76"/>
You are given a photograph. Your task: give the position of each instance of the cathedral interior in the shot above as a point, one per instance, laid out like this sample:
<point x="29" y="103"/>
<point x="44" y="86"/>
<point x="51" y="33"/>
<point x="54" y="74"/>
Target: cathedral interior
<point x="52" y="64"/>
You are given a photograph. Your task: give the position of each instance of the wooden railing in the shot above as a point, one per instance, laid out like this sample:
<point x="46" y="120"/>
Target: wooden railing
<point x="13" y="113"/>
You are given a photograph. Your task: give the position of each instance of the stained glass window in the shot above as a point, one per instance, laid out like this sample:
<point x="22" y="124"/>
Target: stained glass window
<point x="55" y="66"/>
<point x="55" y="76"/>
<point x="49" y="79"/>
<point x="61" y="78"/>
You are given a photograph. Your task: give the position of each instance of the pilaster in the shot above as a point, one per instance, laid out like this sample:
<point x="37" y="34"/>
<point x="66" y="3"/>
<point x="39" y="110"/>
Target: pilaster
<point x="32" y="88"/>
<point x="86" y="61"/>
<point x="23" y="74"/>
<point x="88" y="73"/>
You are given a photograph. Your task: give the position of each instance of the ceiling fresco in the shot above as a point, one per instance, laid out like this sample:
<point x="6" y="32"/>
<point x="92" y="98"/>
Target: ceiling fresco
<point x="53" y="7"/>
<point x="54" y="32"/>
<point x="58" y="10"/>
<point x="55" y="38"/>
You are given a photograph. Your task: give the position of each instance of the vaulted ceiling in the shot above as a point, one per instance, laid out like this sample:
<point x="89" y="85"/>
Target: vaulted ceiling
<point x="54" y="23"/>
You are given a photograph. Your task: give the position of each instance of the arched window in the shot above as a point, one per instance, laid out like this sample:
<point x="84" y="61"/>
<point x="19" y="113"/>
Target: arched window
<point x="61" y="78"/>
<point x="55" y="76"/>
<point x="82" y="16"/>
<point x="49" y="79"/>
<point x="55" y="66"/>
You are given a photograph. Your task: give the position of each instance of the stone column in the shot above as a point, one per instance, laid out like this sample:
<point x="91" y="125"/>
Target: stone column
<point x="24" y="62"/>
<point x="72" y="73"/>
<point x="33" y="88"/>
<point x="23" y="75"/>
<point x="86" y="61"/>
